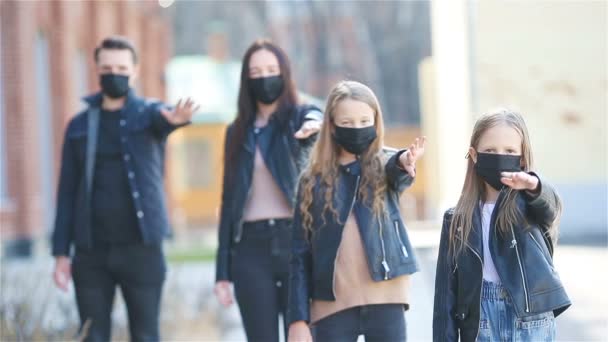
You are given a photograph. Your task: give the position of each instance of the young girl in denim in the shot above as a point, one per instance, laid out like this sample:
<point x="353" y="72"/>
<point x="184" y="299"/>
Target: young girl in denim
<point x="495" y="276"/>
<point x="351" y="256"/>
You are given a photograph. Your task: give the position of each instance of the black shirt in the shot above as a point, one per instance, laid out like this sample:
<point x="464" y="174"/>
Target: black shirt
<point x="114" y="219"/>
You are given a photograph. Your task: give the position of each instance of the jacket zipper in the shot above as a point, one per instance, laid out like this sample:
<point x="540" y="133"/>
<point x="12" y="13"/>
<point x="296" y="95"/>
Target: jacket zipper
<point x="536" y="242"/>
<point x="403" y="250"/>
<point x="239" y="232"/>
<point x="481" y="261"/>
<point x="387" y="269"/>
<point x="521" y="269"/>
<point x="352" y="205"/>
<point x="541" y="249"/>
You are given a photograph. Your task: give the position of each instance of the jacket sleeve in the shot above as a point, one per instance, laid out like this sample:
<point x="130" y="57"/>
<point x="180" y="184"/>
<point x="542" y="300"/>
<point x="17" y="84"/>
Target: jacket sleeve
<point x="67" y="190"/>
<point x="300" y="271"/>
<point x="397" y="178"/>
<point x="223" y="261"/>
<point x="543" y="206"/>
<point x="444" y="325"/>
<point x="161" y="126"/>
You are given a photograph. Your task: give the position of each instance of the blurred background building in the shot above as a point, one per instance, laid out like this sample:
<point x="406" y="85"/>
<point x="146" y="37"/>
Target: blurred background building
<point x="46" y="65"/>
<point x="435" y="66"/>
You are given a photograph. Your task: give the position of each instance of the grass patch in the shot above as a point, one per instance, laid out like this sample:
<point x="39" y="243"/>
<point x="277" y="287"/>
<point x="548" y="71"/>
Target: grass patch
<point x="202" y="254"/>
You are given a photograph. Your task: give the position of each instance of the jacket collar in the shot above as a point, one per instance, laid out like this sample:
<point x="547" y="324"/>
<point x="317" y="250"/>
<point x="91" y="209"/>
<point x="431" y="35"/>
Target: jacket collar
<point x="352" y="168"/>
<point x="94" y="100"/>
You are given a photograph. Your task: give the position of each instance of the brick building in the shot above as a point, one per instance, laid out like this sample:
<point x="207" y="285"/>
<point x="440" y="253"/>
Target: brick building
<point x="46" y="66"/>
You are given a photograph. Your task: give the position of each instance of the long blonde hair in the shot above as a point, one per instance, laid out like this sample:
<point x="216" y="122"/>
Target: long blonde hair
<point x="323" y="165"/>
<point x="474" y="191"/>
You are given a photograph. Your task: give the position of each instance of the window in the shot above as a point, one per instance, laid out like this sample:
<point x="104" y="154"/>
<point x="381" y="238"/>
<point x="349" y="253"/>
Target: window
<point x="82" y="80"/>
<point x="3" y="177"/>
<point x="45" y="125"/>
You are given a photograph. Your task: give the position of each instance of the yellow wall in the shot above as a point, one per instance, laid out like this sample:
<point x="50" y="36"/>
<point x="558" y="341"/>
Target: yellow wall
<point x="196" y="170"/>
<point x="548" y="59"/>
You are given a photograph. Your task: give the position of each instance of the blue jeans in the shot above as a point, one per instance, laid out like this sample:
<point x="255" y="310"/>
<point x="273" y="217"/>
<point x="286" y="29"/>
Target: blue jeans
<point x="378" y="323"/>
<point x="498" y="321"/>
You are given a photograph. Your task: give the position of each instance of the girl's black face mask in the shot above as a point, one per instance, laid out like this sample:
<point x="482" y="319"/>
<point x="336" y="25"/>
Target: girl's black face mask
<point x="266" y="89"/>
<point x="490" y="165"/>
<point x="355" y="140"/>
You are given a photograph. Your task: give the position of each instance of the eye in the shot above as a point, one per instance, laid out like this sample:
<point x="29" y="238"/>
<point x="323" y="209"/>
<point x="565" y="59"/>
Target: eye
<point x="489" y="150"/>
<point x="511" y="151"/>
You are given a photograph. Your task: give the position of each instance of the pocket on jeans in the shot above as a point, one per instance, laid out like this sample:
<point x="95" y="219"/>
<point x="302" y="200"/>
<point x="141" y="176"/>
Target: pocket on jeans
<point x="539" y="328"/>
<point x="485" y="333"/>
<point x="536" y="321"/>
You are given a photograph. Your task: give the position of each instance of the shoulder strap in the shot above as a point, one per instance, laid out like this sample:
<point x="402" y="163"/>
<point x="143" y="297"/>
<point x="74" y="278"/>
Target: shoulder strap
<point x="92" y="130"/>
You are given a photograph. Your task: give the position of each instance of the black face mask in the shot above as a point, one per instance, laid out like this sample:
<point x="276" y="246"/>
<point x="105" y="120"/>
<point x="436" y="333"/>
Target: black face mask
<point x="490" y="165"/>
<point x="266" y="89"/>
<point x="113" y="85"/>
<point x="355" y="140"/>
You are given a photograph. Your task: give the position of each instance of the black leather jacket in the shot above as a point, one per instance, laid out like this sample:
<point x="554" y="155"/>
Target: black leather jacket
<point x="523" y="260"/>
<point x="387" y="246"/>
<point x="285" y="156"/>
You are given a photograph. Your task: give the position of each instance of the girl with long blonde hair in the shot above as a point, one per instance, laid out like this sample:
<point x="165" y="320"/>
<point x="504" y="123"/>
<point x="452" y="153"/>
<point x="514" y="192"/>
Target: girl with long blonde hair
<point x="351" y="256"/>
<point x="495" y="276"/>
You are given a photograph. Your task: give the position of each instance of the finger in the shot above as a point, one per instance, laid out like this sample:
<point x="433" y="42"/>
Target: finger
<point x="195" y="110"/>
<point x="508" y="182"/>
<point x="411" y="170"/>
<point x="302" y="134"/>
<point x="506" y="174"/>
<point x="61" y="281"/>
<point x="512" y="184"/>
<point x="165" y="112"/>
<point x="179" y="104"/>
<point x="521" y="177"/>
<point x="411" y="153"/>
<point x="422" y="141"/>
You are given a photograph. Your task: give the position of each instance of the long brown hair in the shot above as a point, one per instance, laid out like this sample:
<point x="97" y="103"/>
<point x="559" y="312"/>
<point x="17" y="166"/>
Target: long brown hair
<point x="474" y="191"/>
<point x="323" y="164"/>
<point x="247" y="106"/>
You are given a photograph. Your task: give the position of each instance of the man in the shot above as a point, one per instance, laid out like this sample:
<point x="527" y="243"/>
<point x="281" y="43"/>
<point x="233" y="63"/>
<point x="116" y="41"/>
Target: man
<point x="111" y="202"/>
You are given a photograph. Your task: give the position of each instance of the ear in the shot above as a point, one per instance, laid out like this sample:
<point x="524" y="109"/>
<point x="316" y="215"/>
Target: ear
<point x="473" y="155"/>
<point x="134" y="75"/>
<point x="332" y="127"/>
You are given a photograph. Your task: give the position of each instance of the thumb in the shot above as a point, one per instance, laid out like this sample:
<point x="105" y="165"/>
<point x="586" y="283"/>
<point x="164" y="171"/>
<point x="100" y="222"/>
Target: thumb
<point x="301" y="134"/>
<point x="165" y="112"/>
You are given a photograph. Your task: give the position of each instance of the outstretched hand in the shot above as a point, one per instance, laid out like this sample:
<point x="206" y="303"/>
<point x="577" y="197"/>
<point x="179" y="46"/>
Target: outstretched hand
<point x="413" y="153"/>
<point x="308" y="128"/>
<point x="182" y="113"/>
<point x="519" y="181"/>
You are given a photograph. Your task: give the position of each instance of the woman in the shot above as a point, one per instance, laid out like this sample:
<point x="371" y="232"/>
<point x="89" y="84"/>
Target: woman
<point x="265" y="149"/>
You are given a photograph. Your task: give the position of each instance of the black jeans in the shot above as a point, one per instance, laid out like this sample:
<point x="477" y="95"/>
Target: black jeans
<point x="138" y="269"/>
<point x="378" y="323"/>
<point x="260" y="270"/>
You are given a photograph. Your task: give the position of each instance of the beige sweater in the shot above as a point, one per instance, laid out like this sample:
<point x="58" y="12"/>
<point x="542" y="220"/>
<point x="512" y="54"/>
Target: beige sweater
<point x="266" y="199"/>
<point x="353" y="284"/>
